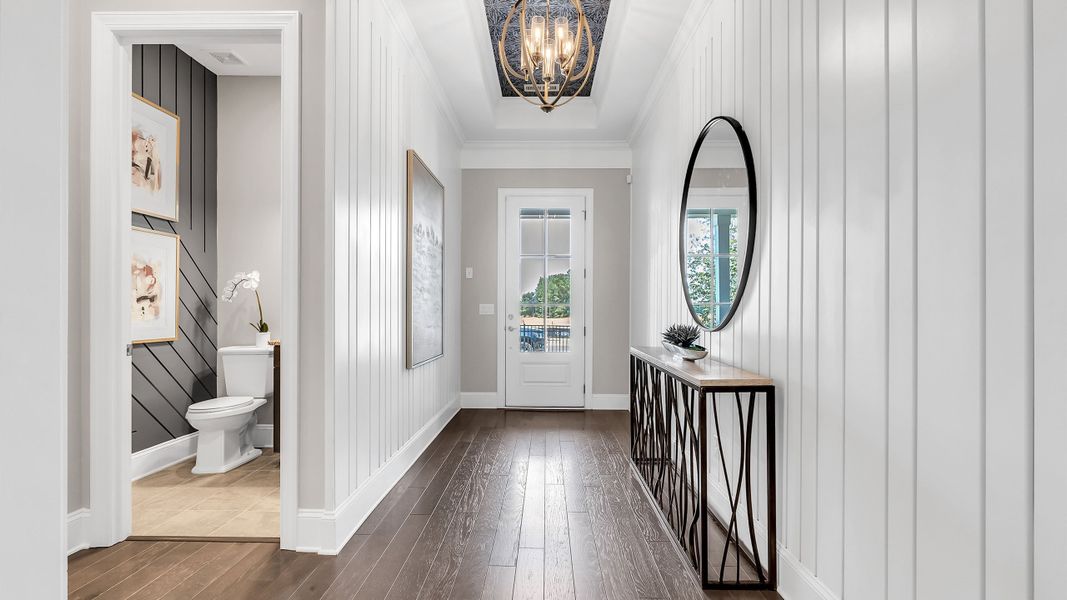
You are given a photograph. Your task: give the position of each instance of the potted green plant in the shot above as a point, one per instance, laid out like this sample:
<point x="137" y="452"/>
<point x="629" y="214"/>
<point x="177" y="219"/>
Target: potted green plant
<point x="249" y="281"/>
<point x="680" y="340"/>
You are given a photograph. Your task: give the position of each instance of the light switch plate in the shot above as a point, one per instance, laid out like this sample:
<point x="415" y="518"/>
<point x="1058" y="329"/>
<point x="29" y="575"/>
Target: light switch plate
<point x="470" y="273"/>
<point x="486" y="309"/>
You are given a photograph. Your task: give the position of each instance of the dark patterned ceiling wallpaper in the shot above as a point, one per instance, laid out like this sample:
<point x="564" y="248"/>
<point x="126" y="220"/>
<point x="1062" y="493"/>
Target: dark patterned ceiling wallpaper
<point x="596" y="12"/>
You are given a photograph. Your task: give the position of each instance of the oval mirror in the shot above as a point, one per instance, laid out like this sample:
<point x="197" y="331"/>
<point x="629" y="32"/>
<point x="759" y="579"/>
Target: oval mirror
<point x="718" y="222"/>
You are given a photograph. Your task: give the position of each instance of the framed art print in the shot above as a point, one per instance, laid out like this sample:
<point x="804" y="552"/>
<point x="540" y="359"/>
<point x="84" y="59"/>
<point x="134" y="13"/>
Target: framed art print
<point x="153" y="286"/>
<point x="425" y="264"/>
<point x="154" y="148"/>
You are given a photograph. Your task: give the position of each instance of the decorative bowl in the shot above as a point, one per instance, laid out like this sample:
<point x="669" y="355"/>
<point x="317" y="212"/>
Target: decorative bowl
<point x="685" y="353"/>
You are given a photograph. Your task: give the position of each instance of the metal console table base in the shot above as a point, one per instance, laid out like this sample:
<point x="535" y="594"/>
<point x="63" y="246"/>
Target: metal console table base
<point x="670" y="404"/>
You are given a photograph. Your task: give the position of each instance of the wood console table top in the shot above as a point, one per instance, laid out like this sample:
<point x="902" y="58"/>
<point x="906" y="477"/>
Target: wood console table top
<point x="705" y="373"/>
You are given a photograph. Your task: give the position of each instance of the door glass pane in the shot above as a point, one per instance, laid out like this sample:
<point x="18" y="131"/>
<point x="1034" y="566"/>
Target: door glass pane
<point x="532" y="232"/>
<point x="559" y="232"/>
<point x="559" y="281"/>
<point x="557" y="328"/>
<point x="531" y="280"/>
<point x="532" y="329"/>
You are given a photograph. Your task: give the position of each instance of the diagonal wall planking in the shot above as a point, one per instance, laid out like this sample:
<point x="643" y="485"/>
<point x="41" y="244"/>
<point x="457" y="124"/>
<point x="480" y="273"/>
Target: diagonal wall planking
<point x="169" y="376"/>
<point x="893" y="297"/>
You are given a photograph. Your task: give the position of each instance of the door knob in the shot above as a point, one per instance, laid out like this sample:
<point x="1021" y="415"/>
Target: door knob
<point x="511" y="328"/>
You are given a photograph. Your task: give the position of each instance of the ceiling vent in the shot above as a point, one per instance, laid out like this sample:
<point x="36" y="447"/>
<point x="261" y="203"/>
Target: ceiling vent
<point x="227" y="58"/>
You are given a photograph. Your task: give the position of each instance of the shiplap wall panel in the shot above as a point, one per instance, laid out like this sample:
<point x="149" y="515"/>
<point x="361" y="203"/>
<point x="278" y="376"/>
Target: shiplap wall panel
<point x="1049" y="249"/>
<point x="169" y="376"/>
<point x="1008" y="347"/>
<point x="891" y="279"/>
<point x="384" y="104"/>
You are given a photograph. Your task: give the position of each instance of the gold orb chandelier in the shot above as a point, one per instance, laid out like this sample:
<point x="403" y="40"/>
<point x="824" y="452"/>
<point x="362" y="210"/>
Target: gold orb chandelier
<point x="549" y="54"/>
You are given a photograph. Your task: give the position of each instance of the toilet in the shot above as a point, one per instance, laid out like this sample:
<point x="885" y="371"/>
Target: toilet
<point x="225" y="423"/>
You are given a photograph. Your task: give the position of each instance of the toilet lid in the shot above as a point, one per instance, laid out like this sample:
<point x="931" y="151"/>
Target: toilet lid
<point x="223" y="403"/>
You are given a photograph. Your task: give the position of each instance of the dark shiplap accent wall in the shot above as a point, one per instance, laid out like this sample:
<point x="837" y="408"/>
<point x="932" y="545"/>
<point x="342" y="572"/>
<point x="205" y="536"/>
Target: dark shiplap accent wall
<point x="169" y="376"/>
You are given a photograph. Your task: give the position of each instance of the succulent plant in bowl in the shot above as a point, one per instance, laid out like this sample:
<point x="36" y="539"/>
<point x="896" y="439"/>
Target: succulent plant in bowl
<point x="680" y="340"/>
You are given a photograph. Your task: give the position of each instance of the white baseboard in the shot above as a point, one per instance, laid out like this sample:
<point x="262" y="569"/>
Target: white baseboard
<point x="263" y="436"/>
<point x="77" y="536"/>
<point x="609" y="402"/>
<point x="494" y="400"/>
<point x="161" y="456"/>
<point x="327" y="531"/>
<point x="480" y="400"/>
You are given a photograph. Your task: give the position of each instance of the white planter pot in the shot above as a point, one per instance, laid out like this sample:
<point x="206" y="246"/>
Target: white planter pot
<point x="262" y="339"/>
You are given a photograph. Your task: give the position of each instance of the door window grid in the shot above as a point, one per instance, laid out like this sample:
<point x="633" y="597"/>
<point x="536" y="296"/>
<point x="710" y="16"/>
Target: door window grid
<point x="545" y="312"/>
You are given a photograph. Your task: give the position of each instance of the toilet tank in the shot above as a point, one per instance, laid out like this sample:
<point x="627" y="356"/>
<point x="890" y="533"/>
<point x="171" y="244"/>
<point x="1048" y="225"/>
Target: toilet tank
<point x="248" y="370"/>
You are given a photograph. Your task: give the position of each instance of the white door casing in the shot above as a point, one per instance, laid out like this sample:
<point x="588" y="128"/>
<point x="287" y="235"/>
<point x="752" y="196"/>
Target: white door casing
<point x="544" y="308"/>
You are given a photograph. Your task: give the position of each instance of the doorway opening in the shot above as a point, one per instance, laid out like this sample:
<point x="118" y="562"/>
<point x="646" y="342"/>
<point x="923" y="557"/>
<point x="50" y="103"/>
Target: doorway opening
<point x="184" y="423"/>
<point x="544" y="288"/>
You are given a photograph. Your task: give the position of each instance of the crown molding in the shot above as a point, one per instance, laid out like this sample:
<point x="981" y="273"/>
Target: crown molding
<point x="541" y="154"/>
<point x="694" y="16"/>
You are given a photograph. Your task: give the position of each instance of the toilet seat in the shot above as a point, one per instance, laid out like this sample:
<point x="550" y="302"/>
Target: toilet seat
<point x="224" y="403"/>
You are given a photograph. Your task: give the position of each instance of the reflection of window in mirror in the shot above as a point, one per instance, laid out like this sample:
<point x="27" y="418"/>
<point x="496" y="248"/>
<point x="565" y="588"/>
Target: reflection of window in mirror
<point x="715" y="218"/>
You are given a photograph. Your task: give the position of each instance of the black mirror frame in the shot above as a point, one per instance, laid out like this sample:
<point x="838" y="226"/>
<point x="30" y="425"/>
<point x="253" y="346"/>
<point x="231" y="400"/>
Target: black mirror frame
<point x="746" y="149"/>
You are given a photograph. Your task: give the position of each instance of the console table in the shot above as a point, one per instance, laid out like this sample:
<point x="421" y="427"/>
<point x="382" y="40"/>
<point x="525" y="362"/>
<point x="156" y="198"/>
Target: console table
<point x="670" y="401"/>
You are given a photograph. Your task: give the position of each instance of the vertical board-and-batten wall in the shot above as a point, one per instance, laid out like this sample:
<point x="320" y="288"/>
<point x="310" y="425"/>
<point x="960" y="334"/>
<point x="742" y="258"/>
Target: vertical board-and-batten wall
<point x="169" y="376"/>
<point x="383" y="101"/>
<point x="893" y="288"/>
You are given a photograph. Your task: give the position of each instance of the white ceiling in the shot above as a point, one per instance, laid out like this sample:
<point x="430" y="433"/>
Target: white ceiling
<point x="455" y="35"/>
<point x="260" y="58"/>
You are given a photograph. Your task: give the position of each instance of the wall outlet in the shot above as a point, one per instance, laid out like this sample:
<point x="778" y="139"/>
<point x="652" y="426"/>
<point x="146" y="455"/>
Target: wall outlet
<point x="469" y="273"/>
<point x="486" y="309"/>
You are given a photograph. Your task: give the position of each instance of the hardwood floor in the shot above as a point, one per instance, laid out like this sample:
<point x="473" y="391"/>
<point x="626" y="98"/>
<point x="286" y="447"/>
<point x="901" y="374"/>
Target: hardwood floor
<point x="503" y="504"/>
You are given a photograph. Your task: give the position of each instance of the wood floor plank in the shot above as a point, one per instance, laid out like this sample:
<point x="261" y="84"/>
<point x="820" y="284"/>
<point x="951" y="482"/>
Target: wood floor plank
<point x="499" y="583"/>
<point x="553" y="459"/>
<point x="351" y="578"/>
<point x="177" y="573"/>
<point x="470" y="577"/>
<point x="572" y="477"/>
<point x="585" y="563"/>
<point x="385" y="571"/>
<point x="433" y="490"/>
<point x="209" y="572"/>
<point x="151" y="570"/>
<point x="111" y="559"/>
<point x="121" y="571"/>
<point x="441" y="573"/>
<point x="532" y="534"/>
<point x="316" y="584"/>
<point x="616" y="569"/>
<point x="680" y="578"/>
<point x="559" y="578"/>
<point x="230" y="577"/>
<point x="530" y="575"/>
<point x="506" y="543"/>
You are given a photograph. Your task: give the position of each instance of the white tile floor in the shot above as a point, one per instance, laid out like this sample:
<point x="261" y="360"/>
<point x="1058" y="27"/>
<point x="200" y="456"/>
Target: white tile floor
<point x="240" y="503"/>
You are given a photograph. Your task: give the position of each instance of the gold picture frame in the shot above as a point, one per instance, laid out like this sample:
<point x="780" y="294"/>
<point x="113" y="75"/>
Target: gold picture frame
<point x="153" y="167"/>
<point x="425" y="289"/>
<point x="148" y="250"/>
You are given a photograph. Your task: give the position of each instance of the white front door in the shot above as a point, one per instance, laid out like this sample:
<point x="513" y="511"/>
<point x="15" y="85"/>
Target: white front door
<point x="544" y="300"/>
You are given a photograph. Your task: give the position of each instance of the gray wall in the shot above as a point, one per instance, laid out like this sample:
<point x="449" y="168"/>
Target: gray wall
<point x="169" y="376"/>
<point x="610" y="267"/>
<point x="249" y="228"/>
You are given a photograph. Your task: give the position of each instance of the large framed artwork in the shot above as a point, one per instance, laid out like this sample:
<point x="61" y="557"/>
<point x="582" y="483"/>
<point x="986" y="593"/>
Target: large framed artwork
<point x="155" y="149"/>
<point x="153" y="286"/>
<point x="425" y="264"/>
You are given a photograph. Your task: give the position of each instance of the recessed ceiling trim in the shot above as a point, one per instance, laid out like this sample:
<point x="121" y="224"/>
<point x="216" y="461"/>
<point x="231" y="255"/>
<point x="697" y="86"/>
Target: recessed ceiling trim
<point x="541" y="154"/>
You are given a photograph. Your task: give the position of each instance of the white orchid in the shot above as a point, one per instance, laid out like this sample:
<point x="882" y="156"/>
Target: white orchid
<point x="248" y="281"/>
